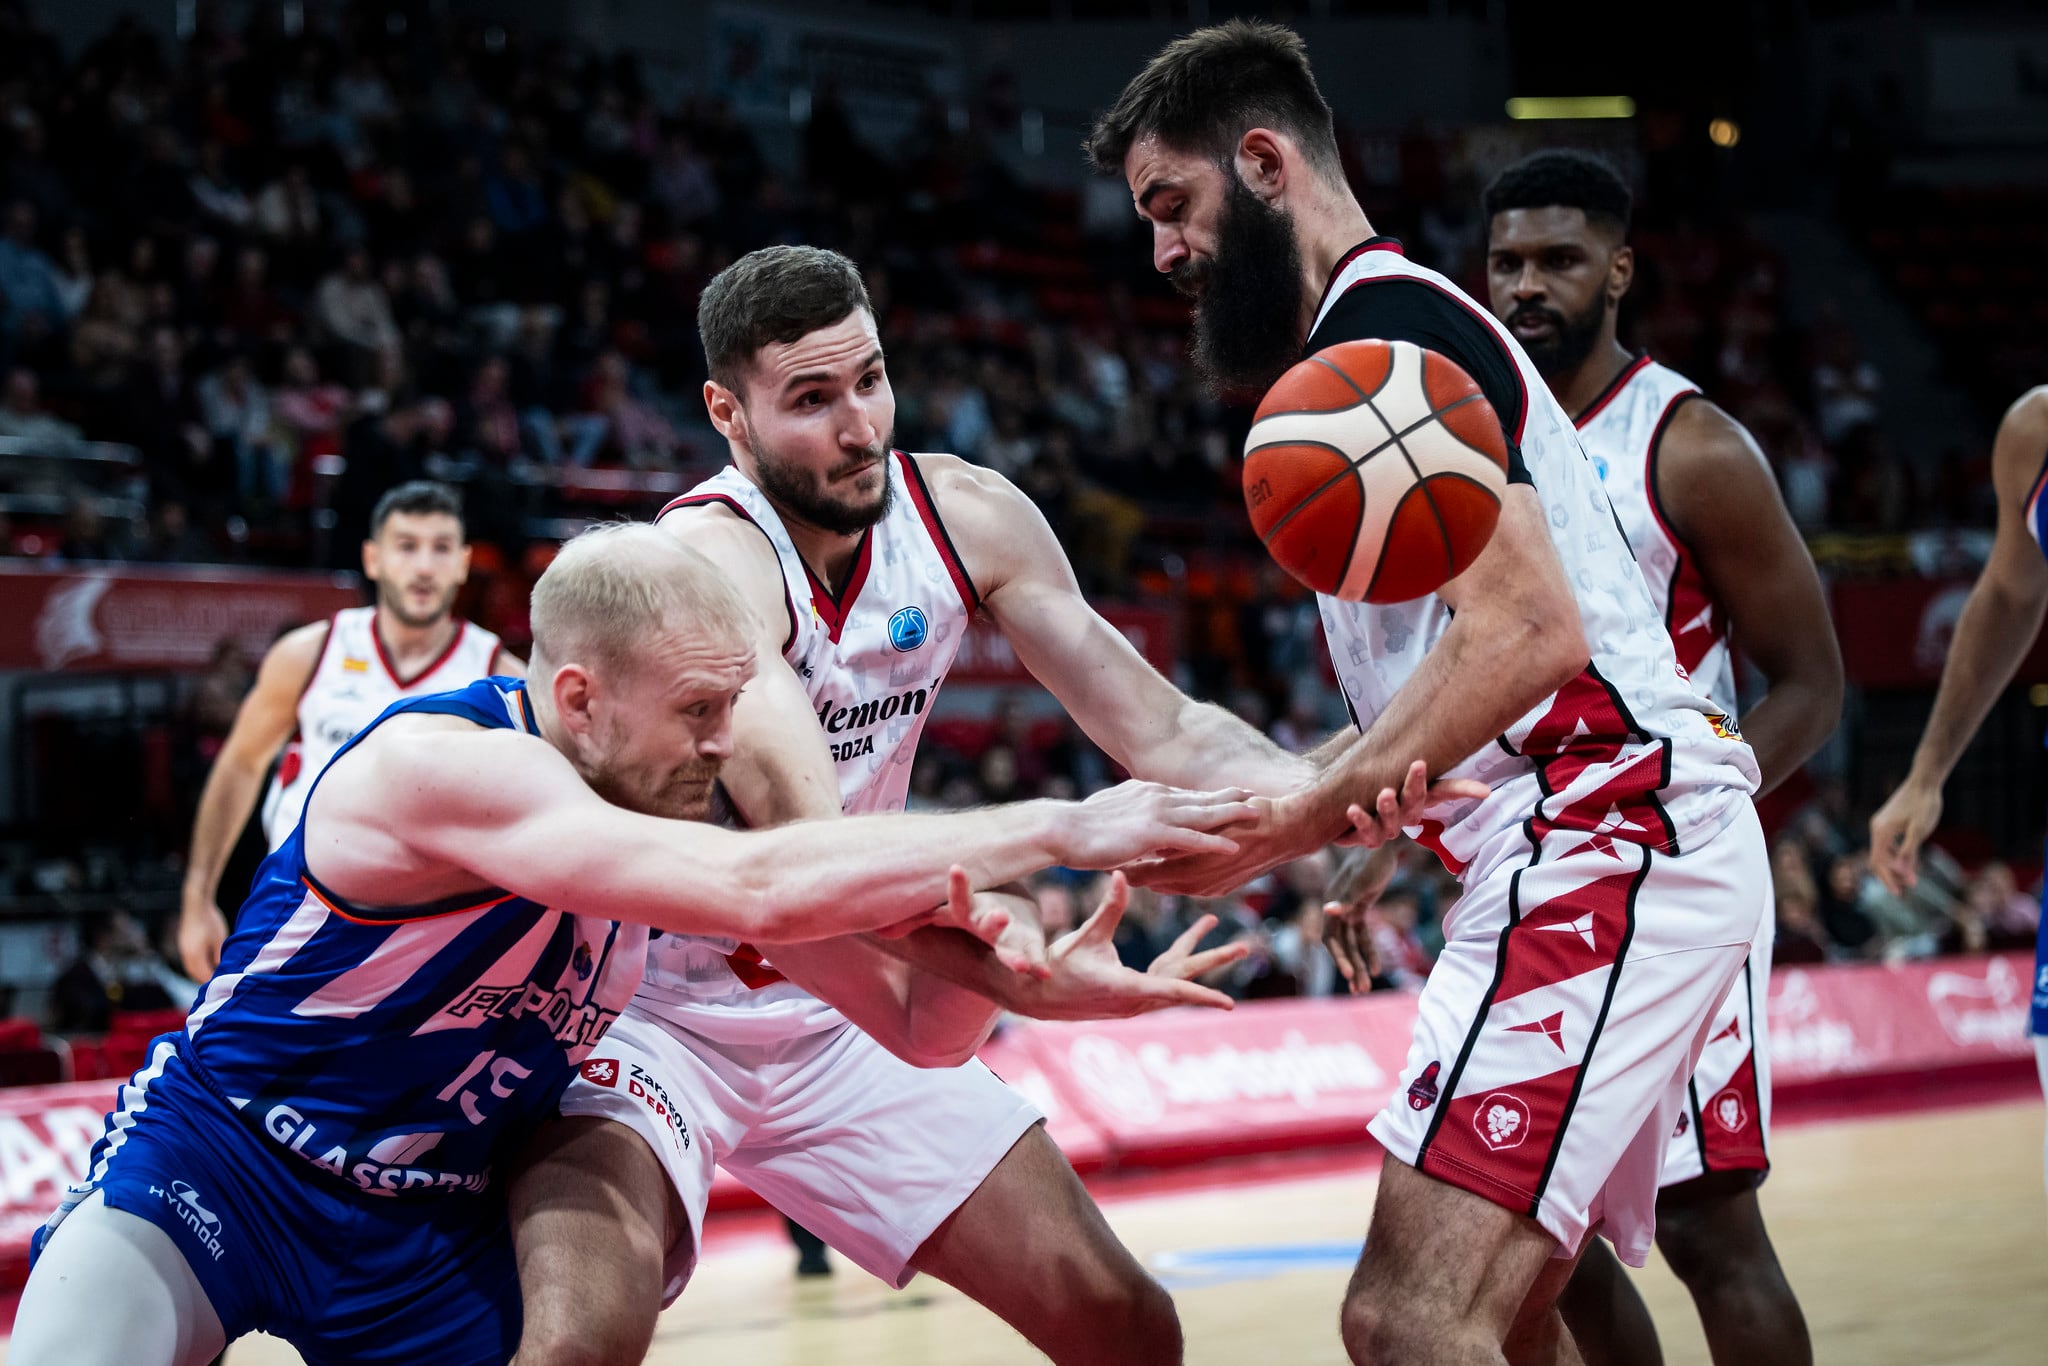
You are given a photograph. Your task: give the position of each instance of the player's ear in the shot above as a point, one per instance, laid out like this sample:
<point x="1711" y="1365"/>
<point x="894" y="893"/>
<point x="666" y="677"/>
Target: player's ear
<point x="1261" y="161"/>
<point x="573" y="696"/>
<point x="722" y="405"/>
<point x="1621" y="273"/>
<point x="369" y="559"/>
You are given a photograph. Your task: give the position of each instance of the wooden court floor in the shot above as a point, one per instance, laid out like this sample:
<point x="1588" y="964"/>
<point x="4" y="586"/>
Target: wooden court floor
<point x="1913" y="1240"/>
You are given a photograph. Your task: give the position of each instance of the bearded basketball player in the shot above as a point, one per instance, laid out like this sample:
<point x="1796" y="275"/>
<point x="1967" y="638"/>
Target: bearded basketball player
<point x="1615" y="875"/>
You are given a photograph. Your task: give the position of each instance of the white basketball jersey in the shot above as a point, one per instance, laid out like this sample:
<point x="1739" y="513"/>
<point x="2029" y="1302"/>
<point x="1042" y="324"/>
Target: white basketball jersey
<point x="1625" y="751"/>
<point x="353" y="682"/>
<point x="1622" y="431"/>
<point x="872" y="657"/>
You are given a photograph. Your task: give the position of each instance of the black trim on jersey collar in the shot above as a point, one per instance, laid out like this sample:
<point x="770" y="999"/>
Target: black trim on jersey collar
<point x="1379" y="243"/>
<point x="1641" y="359"/>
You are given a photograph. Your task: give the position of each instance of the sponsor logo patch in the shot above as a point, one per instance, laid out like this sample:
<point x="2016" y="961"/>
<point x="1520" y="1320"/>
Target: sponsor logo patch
<point x="908" y="629"/>
<point x="601" y="1072"/>
<point x="1422" y="1092"/>
<point x="185" y="1203"/>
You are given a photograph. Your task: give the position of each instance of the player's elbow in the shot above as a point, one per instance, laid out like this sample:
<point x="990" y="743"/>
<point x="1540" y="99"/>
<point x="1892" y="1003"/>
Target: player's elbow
<point x="1551" y="643"/>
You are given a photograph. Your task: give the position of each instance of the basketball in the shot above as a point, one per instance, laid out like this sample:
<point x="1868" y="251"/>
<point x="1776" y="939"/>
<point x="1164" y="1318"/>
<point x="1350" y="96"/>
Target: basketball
<point x="1374" y="471"/>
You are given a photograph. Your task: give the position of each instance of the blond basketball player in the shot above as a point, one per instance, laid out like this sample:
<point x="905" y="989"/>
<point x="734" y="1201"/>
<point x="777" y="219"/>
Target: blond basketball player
<point x="863" y="565"/>
<point x="446" y="934"/>
<point x="1616" y="874"/>
<point x="322" y="683"/>
<point x="1724" y="563"/>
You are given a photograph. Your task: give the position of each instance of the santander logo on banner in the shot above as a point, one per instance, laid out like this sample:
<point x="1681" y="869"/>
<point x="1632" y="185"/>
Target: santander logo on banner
<point x="1145" y="1081"/>
<point x="1807" y="1037"/>
<point x="1981" y="1002"/>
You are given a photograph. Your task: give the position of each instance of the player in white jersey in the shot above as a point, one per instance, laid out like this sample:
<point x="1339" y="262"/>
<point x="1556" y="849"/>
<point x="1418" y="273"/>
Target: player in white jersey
<point x="323" y="682"/>
<point x="864" y="565"/>
<point x="1615" y="875"/>
<point x="1724" y="563"/>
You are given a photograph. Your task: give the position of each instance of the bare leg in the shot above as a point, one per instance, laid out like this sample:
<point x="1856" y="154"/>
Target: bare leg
<point x="1607" y="1316"/>
<point x="1711" y="1230"/>
<point x="1445" y="1277"/>
<point x="592" y="1217"/>
<point x="1031" y="1246"/>
<point x="112" y="1289"/>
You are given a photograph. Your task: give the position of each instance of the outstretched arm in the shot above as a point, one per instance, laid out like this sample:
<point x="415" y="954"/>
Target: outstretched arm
<point x="1138" y="718"/>
<point x="1994" y="633"/>
<point x="424" y="797"/>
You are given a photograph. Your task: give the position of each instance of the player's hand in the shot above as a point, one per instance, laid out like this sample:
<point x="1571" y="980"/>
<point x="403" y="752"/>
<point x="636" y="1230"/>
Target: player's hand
<point x="1089" y="981"/>
<point x="1005" y="921"/>
<point x="1134" y="821"/>
<point x="202" y="929"/>
<point x="1372" y="826"/>
<point x="1354" y="891"/>
<point x="1281" y="829"/>
<point x="1181" y="961"/>
<point x="1898" y="830"/>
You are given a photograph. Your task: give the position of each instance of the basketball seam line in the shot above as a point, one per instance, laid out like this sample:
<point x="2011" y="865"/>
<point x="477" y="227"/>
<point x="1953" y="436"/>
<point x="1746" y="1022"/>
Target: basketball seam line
<point x="1393" y="439"/>
<point x="1443" y="532"/>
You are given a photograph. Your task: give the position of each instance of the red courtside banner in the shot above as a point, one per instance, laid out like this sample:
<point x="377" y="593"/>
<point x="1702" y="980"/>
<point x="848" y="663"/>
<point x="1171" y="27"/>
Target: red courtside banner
<point x="1895" y="633"/>
<point x="1268" y="1075"/>
<point x="78" y="618"/>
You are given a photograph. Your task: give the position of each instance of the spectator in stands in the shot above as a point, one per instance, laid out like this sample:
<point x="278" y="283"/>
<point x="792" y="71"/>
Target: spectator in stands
<point x="157" y="412"/>
<point x="172" y="537"/>
<point x="235" y="408"/>
<point x="486" y="423"/>
<point x="251" y="310"/>
<point x="22" y="417"/>
<point x="115" y="970"/>
<point x="219" y="198"/>
<point x="1393" y="922"/>
<point x="635" y="433"/>
<point x="351" y="308"/>
<point x="310" y="411"/>
<point x="34" y="310"/>
<point x="1845" y="385"/>
<point x="73" y="273"/>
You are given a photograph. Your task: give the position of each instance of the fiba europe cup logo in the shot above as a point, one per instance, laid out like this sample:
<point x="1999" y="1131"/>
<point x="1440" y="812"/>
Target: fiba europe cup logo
<point x="907" y="629"/>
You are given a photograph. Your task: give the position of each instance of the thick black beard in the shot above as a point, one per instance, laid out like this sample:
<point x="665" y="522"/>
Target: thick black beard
<point x="1247" y="295"/>
<point x="1571" y="339"/>
<point x="801" y="494"/>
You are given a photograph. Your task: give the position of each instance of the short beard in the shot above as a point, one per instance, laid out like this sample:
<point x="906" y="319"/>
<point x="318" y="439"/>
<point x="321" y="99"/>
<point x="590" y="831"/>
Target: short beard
<point x="1571" y="339"/>
<point x="393" y="601"/>
<point x="802" y="494"/>
<point x="1247" y="295"/>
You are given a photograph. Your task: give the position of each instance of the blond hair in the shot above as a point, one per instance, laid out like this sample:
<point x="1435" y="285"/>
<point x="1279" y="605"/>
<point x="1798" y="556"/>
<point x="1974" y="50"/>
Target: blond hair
<point x="614" y="588"/>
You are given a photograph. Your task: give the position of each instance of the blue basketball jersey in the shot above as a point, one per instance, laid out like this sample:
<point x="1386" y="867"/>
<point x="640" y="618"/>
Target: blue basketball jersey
<point x="394" y="1047"/>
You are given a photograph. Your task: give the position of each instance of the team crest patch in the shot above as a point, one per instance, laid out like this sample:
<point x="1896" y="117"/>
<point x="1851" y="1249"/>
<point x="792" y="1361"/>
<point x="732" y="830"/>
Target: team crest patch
<point x="601" y="1072"/>
<point x="908" y="629"/>
<point x="1729" y="1111"/>
<point x="1502" y="1121"/>
<point x="1422" y="1092"/>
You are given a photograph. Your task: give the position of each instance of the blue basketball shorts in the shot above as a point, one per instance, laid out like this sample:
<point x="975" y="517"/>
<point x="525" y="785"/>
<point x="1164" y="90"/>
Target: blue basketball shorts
<point x="343" y="1275"/>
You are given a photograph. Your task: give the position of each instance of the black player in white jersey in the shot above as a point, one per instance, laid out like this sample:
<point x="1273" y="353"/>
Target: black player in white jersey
<point x="1726" y="568"/>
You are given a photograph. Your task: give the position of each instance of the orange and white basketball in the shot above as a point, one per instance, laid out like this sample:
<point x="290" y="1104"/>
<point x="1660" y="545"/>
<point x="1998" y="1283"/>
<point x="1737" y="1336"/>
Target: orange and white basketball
<point x="1374" y="471"/>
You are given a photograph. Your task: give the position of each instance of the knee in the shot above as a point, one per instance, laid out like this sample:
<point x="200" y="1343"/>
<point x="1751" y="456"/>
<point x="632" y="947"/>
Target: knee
<point x="1382" y="1334"/>
<point x="1148" y="1325"/>
<point x="557" y="1341"/>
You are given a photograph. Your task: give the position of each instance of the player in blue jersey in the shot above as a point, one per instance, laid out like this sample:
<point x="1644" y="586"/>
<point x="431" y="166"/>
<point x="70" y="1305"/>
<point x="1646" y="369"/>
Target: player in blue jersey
<point x="1994" y="633"/>
<point x="424" y="962"/>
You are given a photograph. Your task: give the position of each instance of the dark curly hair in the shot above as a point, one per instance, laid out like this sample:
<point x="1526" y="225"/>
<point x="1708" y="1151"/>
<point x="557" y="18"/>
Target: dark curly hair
<point x="1566" y="179"/>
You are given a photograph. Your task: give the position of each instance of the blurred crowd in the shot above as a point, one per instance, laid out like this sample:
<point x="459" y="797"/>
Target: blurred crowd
<point x="292" y="268"/>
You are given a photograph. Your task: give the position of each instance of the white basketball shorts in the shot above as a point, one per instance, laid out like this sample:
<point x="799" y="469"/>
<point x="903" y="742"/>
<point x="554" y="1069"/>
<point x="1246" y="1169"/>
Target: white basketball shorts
<point x="1558" y="1030"/>
<point x="1725" y="1125"/>
<point x="864" y="1150"/>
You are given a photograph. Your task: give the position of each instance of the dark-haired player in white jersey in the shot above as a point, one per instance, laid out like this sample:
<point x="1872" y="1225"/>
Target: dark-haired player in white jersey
<point x="863" y="565"/>
<point x="323" y="682"/>
<point x="1614" y="876"/>
<point x="1701" y="509"/>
